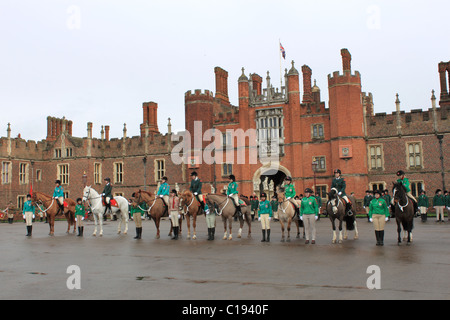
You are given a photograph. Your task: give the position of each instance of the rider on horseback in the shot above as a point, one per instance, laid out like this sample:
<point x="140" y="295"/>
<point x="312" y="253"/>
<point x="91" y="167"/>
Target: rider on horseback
<point x="405" y="182"/>
<point x="339" y="184"/>
<point x="58" y="194"/>
<point x="163" y="193"/>
<point x="196" y="189"/>
<point x="289" y="192"/>
<point x="232" y="192"/>
<point x="107" y="195"/>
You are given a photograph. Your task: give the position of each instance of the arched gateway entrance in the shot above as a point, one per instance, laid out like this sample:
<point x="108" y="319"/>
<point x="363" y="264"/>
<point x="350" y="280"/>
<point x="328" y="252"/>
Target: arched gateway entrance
<point x="268" y="178"/>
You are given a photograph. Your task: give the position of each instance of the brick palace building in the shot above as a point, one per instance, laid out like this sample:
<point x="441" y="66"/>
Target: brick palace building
<point x="307" y="139"/>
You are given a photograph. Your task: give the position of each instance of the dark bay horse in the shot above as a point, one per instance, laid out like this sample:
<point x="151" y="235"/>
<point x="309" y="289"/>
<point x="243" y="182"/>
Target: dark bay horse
<point x="404" y="211"/>
<point x="336" y="210"/>
<point x="52" y="209"/>
<point x="225" y="207"/>
<point x="155" y="204"/>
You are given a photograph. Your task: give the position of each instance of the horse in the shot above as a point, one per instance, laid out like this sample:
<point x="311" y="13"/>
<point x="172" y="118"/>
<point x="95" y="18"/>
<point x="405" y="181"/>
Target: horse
<point x="96" y="203"/>
<point x="156" y="208"/>
<point x="224" y="207"/>
<point x="336" y="210"/>
<point x="404" y="211"/>
<point x="190" y="207"/>
<point x="286" y="213"/>
<point x="52" y="209"/>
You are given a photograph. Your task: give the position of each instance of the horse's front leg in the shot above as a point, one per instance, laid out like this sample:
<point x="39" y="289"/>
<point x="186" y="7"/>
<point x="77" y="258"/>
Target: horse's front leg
<point x="399" y="232"/>
<point x="119" y="225"/>
<point x="282" y="230"/>
<point x="224" y="228"/>
<point x="230" y="237"/>
<point x="333" y="225"/>
<point x="340" y="231"/>
<point x="100" y="218"/>
<point x="356" y="230"/>
<point x="289" y="230"/>
<point x="157" y="220"/>
<point x="241" y="224"/>
<point x="125" y="217"/>
<point x="194" y="225"/>
<point x="95" y="225"/>
<point x="188" y="222"/>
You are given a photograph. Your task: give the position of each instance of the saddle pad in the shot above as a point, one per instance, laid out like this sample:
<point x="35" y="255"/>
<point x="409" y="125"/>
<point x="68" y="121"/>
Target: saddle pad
<point x="113" y="203"/>
<point x="66" y="205"/>
<point x="242" y="203"/>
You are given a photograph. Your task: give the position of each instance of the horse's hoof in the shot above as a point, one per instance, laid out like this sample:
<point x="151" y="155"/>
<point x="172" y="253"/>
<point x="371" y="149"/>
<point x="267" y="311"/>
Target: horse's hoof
<point x="282" y="239"/>
<point x="333" y="241"/>
<point x="224" y="238"/>
<point x="356" y="238"/>
<point x="239" y="236"/>
<point x="340" y="241"/>
<point x="230" y="237"/>
<point x="345" y="238"/>
<point x="194" y="237"/>
<point x="118" y="232"/>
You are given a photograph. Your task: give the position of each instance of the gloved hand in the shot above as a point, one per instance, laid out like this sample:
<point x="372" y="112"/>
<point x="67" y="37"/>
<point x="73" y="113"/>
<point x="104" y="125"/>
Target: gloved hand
<point x="371" y="220"/>
<point x="386" y="219"/>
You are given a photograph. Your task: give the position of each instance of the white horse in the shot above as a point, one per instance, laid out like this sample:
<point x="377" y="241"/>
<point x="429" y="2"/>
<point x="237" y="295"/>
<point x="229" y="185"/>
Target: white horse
<point x="97" y="207"/>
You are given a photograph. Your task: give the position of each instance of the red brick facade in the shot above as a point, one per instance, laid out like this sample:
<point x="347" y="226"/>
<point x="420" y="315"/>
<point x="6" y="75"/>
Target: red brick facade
<point x="368" y="148"/>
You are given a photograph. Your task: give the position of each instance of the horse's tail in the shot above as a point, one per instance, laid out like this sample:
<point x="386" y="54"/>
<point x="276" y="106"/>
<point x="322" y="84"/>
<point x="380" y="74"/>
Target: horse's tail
<point x="350" y="222"/>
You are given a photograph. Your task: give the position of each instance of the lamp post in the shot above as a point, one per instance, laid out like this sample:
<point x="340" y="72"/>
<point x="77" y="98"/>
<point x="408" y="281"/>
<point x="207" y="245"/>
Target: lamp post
<point x="314" y="169"/>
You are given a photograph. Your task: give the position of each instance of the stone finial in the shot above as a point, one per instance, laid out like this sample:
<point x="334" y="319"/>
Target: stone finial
<point x="169" y="127"/>
<point x="243" y="77"/>
<point x="293" y="71"/>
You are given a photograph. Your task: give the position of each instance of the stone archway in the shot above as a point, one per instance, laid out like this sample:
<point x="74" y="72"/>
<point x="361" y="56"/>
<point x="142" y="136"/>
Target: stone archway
<point x="268" y="178"/>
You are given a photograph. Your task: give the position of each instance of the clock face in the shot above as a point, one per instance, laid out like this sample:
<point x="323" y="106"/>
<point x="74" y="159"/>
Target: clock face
<point x="345" y="151"/>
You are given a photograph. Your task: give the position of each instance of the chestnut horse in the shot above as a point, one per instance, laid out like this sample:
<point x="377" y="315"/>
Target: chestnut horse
<point x="156" y="207"/>
<point x="52" y="209"/>
<point x="190" y="207"/>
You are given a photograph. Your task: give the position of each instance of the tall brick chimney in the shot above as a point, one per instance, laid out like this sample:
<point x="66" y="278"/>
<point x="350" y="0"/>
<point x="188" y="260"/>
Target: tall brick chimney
<point x="150" y="115"/>
<point x="346" y="60"/>
<point x="221" y="85"/>
<point x="307" y="90"/>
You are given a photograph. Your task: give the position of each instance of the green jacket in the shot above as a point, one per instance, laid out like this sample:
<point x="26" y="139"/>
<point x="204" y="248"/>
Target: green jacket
<point x="309" y="206"/>
<point x="79" y="210"/>
<point x="405" y="182"/>
<point x="232" y="188"/>
<point x="289" y="191"/>
<point x="447" y="200"/>
<point x="339" y="184"/>
<point x="163" y="190"/>
<point x="59" y="192"/>
<point x="136" y="209"/>
<point x="378" y="206"/>
<point x="28" y="207"/>
<point x="438" y="200"/>
<point x="254" y="204"/>
<point x="265" y="208"/>
<point x="367" y="200"/>
<point x="423" y="201"/>
<point x="274" y="204"/>
<point x="387" y="198"/>
<point x="196" y="186"/>
<point x="108" y="190"/>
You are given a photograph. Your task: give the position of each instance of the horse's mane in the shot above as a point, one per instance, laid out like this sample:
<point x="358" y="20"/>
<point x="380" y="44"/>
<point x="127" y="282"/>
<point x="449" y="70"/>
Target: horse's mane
<point x="146" y="192"/>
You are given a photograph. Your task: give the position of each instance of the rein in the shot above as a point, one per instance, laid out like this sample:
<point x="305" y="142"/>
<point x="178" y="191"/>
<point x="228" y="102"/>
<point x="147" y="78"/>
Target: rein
<point x="398" y="202"/>
<point x="42" y="202"/>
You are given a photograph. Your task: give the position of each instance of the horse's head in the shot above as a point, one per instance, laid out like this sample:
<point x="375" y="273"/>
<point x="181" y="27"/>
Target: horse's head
<point x="86" y="193"/>
<point x="280" y="194"/>
<point x="333" y="194"/>
<point x="398" y="191"/>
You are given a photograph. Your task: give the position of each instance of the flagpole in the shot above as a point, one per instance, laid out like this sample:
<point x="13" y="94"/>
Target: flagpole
<point x="279" y="49"/>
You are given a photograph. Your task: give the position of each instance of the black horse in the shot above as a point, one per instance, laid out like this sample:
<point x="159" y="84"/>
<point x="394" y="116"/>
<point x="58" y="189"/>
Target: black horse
<point x="404" y="211"/>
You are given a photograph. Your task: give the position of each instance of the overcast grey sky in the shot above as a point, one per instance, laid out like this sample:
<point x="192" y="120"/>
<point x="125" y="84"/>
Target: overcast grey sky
<point x="99" y="60"/>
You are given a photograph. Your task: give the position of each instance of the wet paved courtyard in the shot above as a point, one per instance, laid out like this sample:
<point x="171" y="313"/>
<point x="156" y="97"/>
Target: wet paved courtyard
<point x="119" y="267"/>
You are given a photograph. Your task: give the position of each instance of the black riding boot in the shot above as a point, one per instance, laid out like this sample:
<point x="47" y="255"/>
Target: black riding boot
<point x="213" y="231"/>
<point x="28" y="231"/>
<point x="264" y="236"/>
<point x="377" y="236"/>
<point x="79" y="231"/>
<point x="209" y="234"/>
<point x="268" y="235"/>
<point x="381" y="237"/>
<point x="82" y="231"/>
<point x="175" y="233"/>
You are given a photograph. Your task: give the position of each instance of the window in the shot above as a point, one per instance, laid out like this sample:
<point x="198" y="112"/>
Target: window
<point x="321" y="164"/>
<point x="376" y="157"/>
<point x="414" y="151"/>
<point x="23" y="173"/>
<point x="58" y="153"/>
<point x="6" y="172"/>
<point x="38" y="175"/>
<point x="317" y="131"/>
<point x="416" y="188"/>
<point x="97" y="173"/>
<point x="321" y="191"/>
<point x="118" y="172"/>
<point x="20" y="201"/>
<point x="160" y="169"/>
<point x="66" y="194"/>
<point x="69" y="152"/>
<point x="63" y="173"/>
<point x="227" y="169"/>
<point x="118" y="194"/>
<point x="378" y="186"/>
<point x="270" y="131"/>
<point x="226" y="140"/>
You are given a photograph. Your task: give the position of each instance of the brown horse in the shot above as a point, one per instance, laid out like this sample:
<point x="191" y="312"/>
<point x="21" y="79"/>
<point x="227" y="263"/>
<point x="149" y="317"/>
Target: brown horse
<point x="225" y="207"/>
<point x="52" y="209"/>
<point x="190" y="207"/>
<point x="286" y="213"/>
<point x="155" y="204"/>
